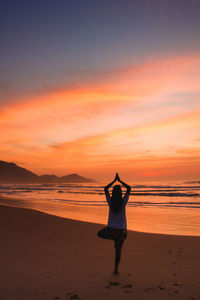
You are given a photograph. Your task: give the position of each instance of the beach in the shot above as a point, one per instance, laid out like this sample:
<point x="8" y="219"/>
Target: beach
<point x="154" y="207"/>
<point x="49" y="257"/>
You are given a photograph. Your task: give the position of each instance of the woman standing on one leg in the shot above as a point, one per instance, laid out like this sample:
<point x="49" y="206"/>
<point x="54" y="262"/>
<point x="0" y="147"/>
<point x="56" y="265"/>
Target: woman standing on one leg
<point x="116" y="228"/>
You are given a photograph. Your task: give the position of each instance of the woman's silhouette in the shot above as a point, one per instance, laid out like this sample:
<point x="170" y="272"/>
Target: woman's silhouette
<point x="116" y="228"/>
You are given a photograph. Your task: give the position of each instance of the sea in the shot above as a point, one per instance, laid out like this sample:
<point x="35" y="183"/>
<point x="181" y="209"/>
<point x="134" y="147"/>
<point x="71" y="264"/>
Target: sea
<point x="166" y="208"/>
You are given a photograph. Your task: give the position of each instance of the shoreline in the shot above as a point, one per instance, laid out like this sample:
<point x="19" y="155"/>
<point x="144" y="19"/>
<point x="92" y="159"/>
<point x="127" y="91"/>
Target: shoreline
<point x="48" y="257"/>
<point x="167" y="221"/>
<point x="95" y="223"/>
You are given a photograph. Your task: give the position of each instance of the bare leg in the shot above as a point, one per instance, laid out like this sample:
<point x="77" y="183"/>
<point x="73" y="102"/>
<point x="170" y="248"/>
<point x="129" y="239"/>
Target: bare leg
<point x="107" y="233"/>
<point x="118" y="247"/>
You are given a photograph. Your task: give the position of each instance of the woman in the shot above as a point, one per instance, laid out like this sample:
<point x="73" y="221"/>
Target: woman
<point x="116" y="228"/>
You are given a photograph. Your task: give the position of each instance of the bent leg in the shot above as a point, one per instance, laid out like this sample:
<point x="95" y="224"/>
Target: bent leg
<point x="105" y="233"/>
<point x="118" y="236"/>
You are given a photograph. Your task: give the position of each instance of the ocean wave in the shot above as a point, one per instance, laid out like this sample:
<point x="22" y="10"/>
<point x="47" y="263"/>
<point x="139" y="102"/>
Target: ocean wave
<point x="165" y="194"/>
<point x="182" y="204"/>
<point x="167" y="186"/>
<point x="141" y="193"/>
<point x="144" y="193"/>
<point x="95" y="187"/>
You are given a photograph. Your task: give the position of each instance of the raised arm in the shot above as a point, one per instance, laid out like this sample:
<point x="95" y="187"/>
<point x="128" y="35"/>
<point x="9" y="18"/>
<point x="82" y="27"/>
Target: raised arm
<point x="128" y="188"/>
<point x="110" y="184"/>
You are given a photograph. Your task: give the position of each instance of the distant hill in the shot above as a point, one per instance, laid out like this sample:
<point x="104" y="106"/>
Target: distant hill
<point x="75" y="178"/>
<point x="12" y="173"/>
<point x="48" y="178"/>
<point x="71" y="178"/>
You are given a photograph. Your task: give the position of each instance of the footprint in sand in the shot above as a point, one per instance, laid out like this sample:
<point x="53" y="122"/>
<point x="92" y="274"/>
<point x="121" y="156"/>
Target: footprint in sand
<point x="127" y="286"/>
<point x="149" y="289"/>
<point x="75" y="296"/>
<point x="177" y="252"/>
<point x="177" y="283"/>
<point x="161" y="286"/>
<point x="114" y="283"/>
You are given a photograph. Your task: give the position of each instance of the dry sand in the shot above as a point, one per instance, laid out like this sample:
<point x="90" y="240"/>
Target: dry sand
<point x="47" y="257"/>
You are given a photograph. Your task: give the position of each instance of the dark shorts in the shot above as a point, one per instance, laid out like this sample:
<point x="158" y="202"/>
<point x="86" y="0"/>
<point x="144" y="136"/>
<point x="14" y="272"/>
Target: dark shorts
<point x="115" y="234"/>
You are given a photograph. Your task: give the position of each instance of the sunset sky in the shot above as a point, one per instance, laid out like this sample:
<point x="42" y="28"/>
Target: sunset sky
<point x="95" y="87"/>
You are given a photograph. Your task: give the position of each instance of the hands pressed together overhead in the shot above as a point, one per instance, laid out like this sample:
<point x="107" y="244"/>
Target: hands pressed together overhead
<point x="117" y="178"/>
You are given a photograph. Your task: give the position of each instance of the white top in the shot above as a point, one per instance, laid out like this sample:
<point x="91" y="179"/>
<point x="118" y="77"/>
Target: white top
<point x="117" y="220"/>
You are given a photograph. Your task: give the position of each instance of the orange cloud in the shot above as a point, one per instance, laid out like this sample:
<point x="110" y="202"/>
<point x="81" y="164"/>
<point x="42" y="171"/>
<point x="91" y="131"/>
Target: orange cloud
<point x="128" y="119"/>
<point x="130" y="151"/>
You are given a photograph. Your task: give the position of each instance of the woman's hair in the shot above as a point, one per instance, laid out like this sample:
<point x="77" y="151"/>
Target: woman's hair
<point x="116" y="199"/>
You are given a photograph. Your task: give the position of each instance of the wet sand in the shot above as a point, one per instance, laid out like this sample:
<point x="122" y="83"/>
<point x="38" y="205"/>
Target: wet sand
<point x="48" y="257"/>
<point x="172" y="221"/>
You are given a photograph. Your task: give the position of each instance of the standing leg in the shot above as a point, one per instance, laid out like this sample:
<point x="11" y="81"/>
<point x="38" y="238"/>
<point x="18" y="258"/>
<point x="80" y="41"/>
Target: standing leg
<point x="118" y="237"/>
<point x="118" y="247"/>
